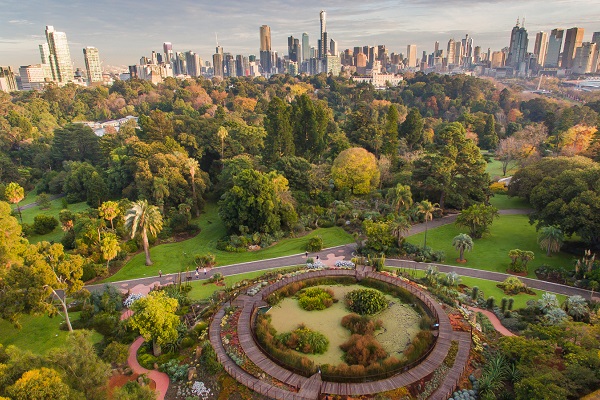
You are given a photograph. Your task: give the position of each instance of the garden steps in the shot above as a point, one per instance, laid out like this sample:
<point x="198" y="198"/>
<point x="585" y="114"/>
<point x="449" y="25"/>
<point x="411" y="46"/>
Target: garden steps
<point x="453" y="376"/>
<point x="311" y="387"/>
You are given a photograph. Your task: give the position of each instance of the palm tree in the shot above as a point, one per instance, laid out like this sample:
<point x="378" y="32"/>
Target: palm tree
<point x="109" y="210"/>
<point x="401" y="197"/>
<point x="401" y="227"/>
<point x="427" y="209"/>
<point x="15" y="193"/>
<point x="461" y="243"/>
<point x="160" y="190"/>
<point x="550" y="239"/>
<point x="144" y="218"/>
<point x="192" y="165"/>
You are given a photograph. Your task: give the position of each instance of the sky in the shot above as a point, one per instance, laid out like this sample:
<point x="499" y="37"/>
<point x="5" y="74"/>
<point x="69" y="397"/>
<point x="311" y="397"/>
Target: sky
<point x="123" y="31"/>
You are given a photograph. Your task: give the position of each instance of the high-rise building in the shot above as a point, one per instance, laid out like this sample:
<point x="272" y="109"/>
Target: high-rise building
<point x="294" y="49"/>
<point x="218" y="71"/>
<point x="333" y="48"/>
<point x="586" y="58"/>
<point x="541" y="47"/>
<point x="361" y="63"/>
<point x="193" y="64"/>
<point x="265" y="49"/>
<point x="168" y="49"/>
<point x="519" y="42"/>
<point x="8" y="82"/>
<point x="324" y="43"/>
<point x="498" y="59"/>
<point x="458" y="53"/>
<point x="450" y="50"/>
<point x="59" y="55"/>
<point x="32" y="77"/>
<point x="93" y="68"/>
<point x="305" y="47"/>
<point x="333" y="65"/>
<point x="46" y="63"/>
<point x="596" y="37"/>
<point x="554" y="48"/>
<point x="411" y="55"/>
<point x="573" y="40"/>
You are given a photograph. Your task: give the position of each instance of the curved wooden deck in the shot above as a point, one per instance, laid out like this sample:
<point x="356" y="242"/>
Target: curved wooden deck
<point x="307" y="386"/>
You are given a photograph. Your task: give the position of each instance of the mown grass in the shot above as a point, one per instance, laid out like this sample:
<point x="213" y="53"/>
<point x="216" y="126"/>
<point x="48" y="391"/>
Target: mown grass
<point x="490" y="288"/>
<point x="174" y="257"/>
<point x="503" y="202"/>
<point x="494" y="168"/>
<point x="54" y="209"/>
<point x="491" y="252"/>
<point x="38" y="333"/>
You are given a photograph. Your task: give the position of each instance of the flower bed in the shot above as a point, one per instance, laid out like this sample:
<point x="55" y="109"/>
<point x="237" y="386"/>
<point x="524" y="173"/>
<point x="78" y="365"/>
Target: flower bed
<point x="233" y="348"/>
<point x="345" y="264"/>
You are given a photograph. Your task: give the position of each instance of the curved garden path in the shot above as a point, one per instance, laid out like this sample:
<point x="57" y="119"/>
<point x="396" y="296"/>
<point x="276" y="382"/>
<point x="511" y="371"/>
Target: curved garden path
<point x="311" y="388"/>
<point x="494" y="320"/>
<point x="161" y="379"/>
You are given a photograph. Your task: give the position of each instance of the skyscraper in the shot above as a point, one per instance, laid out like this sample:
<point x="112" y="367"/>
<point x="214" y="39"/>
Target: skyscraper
<point x="92" y="64"/>
<point x="450" y="49"/>
<point x="333" y="48"/>
<point x="305" y="47"/>
<point x="218" y="62"/>
<point x="265" y="49"/>
<point x="541" y="47"/>
<point x="323" y="43"/>
<point x="517" y="50"/>
<point x="573" y="40"/>
<point x="168" y="48"/>
<point x="294" y="49"/>
<point x="411" y="55"/>
<point x="7" y="80"/>
<point x="586" y="58"/>
<point x="59" y="55"/>
<point x="193" y="64"/>
<point x="554" y="47"/>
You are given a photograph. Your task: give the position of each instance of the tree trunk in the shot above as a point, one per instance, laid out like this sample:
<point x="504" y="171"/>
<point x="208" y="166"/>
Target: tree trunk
<point x="548" y="251"/>
<point x="146" y="247"/>
<point x="196" y="209"/>
<point x="425" y="242"/>
<point x="63" y="304"/>
<point x="20" y="215"/>
<point x="112" y="227"/>
<point x="156" y="350"/>
<point x="462" y="252"/>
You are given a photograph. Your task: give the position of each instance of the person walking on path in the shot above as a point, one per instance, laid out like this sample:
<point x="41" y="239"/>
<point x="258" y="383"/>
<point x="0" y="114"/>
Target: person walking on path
<point x="197" y="275"/>
<point x="205" y="272"/>
<point x="306" y="254"/>
<point x="159" y="273"/>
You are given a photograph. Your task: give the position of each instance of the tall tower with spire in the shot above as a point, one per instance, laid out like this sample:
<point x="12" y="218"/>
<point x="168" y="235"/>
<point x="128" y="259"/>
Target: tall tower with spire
<point x="518" y="45"/>
<point x="323" y="44"/>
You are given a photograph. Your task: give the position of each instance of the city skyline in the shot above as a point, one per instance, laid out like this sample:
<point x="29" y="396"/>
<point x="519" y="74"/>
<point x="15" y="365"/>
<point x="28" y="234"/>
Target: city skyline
<point x="143" y="29"/>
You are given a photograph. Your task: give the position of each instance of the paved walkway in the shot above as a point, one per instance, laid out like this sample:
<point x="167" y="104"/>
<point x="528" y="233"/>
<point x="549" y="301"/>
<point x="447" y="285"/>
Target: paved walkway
<point x="161" y="379"/>
<point x="494" y="320"/>
<point x="310" y="388"/>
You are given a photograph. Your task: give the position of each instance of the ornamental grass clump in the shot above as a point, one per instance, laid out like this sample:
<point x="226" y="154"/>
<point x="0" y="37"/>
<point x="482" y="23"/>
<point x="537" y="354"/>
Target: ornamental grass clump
<point x="304" y="340"/>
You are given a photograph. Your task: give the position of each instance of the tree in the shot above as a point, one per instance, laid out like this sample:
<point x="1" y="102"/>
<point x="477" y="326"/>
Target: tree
<point x="355" y="169"/>
<point x="454" y="171"/>
<point x="489" y="139"/>
<point x="40" y="384"/>
<point x="222" y="134"/>
<point x="109" y="210"/>
<point x="550" y="238"/>
<point x="576" y="307"/>
<point x="412" y="128"/>
<point x="15" y="193"/>
<point x="508" y="152"/>
<point x="279" y="141"/>
<point x="154" y="316"/>
<point x="379" y="235"/>
<point x="144" y="218"/>
<point x="400" y="229"/>
<point x="84" y="371"/>
<point x="75" y="142"/>
<point x="309" y="121"/>
<point x="461" y="243"/>
<point x="260" y="202"/>
<point x="401" y="197"/>
<point x="12" y="244"/>
<point x="43" y="201"/>
<point x="160" y="190"/>
<point x="427" y="209"/>
<point x="390" y="133"/>
<point x="477" y="218"/>
<point x="109" y="247"/>
<point x="193" y="167"/>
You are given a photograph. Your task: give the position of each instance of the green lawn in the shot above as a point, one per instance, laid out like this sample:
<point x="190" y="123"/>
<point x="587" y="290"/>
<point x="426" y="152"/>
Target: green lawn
<point x="201" y="291"/>
<point x="38" y="334"/>
<point x="503" y="202"/>
<point x="494" y="168"/>
<point x="490" y="288"/>
<point x="55" y="208"/>
<point x="491" y="252"/>
<point x="173" y="257"/>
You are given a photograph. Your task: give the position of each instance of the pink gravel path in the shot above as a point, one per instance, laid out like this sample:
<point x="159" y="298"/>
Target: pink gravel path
<point x="494" y="320"/>
<point x="161" y="379"/>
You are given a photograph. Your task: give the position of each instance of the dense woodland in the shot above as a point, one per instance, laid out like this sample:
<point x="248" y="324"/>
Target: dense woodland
<point x="280" y="157"/>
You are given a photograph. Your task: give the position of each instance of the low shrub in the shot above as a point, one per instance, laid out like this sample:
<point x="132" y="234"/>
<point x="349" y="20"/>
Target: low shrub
<point x="419" y="345"/>
<point x="315" y="298"/>
<point x="366" y="301"/>
<point x="304" y="340"/>
<point x="513" y="285"/>
<point x="363" y="350"/>
<point x="361" y="325"/>
<point x="208" y="359"/>
<point x="315" y="244"/>
<point x="43" y="224"/>
<point x="176" y="371"/>
<point x="116" y="353"/>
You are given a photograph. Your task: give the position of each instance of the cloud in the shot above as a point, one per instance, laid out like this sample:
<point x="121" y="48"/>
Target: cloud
<point x="20" y="22"/>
